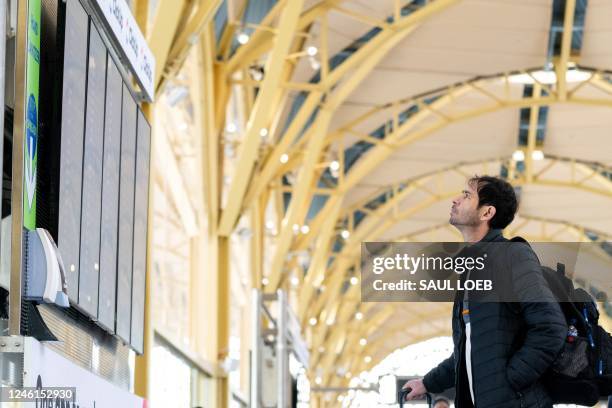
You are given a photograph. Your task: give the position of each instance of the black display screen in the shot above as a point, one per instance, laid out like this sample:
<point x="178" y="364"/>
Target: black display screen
<point x="92" y="176"/>
<point x="110" y="194"/>
<point x="126" y="216"/>
<point x="72" y="131"/>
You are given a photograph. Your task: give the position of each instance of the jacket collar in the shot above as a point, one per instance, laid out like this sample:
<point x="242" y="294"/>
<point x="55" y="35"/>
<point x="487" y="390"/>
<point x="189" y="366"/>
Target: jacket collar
<point x="493" y="235"/>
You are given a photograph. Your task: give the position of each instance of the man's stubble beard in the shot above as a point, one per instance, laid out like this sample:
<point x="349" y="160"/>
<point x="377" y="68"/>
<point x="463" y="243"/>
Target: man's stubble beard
<point x="471" y="221"/>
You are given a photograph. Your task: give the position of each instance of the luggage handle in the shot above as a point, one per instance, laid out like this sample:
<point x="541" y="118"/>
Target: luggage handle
<point x="401" y="396"/>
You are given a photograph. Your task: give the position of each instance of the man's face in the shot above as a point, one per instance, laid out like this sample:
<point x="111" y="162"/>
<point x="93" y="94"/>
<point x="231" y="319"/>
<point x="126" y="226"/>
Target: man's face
<point x="464" y="211"/>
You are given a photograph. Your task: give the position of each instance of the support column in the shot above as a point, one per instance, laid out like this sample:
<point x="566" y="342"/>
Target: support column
<point x="217" y="313"/>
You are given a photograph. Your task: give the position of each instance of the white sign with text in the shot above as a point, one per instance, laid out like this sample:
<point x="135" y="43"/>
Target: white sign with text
<point x="133" y="44"/>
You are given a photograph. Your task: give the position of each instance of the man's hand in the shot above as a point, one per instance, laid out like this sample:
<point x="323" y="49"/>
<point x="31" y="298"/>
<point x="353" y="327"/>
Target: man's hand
<point x="417" y="387"/>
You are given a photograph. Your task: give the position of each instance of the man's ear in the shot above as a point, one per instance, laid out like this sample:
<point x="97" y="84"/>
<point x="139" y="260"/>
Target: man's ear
<point x="488" y="214"/>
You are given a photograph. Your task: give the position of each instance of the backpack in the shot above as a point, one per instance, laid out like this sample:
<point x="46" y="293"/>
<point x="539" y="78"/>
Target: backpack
<point x="582" y="371"/>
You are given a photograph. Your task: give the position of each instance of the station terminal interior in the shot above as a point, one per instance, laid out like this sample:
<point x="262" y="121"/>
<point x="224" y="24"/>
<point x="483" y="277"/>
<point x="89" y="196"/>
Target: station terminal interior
<point x="187" y="185"/>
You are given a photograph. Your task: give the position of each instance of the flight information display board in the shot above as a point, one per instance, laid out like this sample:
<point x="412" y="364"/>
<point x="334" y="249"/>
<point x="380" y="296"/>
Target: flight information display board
<point x="89" y="261"/>
<point x="110" y="192"/>
<point x="73" y="123"/>
<point x="126" y="215"/>
<point x="103" y="182"/>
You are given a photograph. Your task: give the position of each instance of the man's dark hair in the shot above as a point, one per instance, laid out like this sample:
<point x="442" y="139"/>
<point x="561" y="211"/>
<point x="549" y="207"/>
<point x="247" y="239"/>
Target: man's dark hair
<point x="498" y="193"/>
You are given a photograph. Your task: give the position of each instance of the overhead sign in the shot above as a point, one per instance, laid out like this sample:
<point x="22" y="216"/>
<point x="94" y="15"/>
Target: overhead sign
<point x="45" y="368"/>
<point x="31" y="116"/>
<point x="126" y="32"/>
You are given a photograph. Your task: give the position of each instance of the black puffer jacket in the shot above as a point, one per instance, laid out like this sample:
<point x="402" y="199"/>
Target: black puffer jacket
<point x="513" y="344"/>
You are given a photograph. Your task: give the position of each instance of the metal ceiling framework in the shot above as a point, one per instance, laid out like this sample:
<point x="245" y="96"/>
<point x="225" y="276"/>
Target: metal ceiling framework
<point x="309" y="144"/>
<point x="495" y="97"/>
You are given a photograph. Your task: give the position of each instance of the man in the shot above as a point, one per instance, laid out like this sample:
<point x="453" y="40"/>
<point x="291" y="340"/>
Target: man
<point x="441" y="402"/>
<point x="501" y="349"/>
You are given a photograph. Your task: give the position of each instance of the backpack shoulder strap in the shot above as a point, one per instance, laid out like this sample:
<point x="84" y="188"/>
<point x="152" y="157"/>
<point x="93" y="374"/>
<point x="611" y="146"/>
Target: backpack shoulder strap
<point x="519" y="239"/>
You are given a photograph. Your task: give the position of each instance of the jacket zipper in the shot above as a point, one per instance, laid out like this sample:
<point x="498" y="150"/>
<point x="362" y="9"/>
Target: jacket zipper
<point x="521" y="398"/>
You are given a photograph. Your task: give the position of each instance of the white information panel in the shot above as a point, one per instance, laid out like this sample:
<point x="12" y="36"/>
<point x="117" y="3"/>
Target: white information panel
<point x="47" y="368"/>
<point x="119" y="18"/>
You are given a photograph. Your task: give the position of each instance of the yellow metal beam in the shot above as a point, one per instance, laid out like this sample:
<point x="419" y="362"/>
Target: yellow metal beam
<point x="262" y="40"/>
<point x="211" y="169"/>
<point x="299" y="204"/>
<point x="258" y="214"/>
<point x="189" y="35"/>
<point x="532" y="134"/>
<point x="165" y="24"/>
<point x="327" y="363"/>
<point x="260" y="116"/>
<point x="566" y="47"/>
<point x="141" y="15"/>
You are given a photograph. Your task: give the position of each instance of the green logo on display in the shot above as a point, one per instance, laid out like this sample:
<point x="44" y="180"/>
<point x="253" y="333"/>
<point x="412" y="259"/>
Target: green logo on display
<point x="32" y="109"/>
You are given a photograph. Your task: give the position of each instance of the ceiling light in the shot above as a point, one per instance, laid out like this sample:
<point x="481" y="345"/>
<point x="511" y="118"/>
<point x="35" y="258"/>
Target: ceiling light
<point x="243" y="37"/>
<point x="296" y="228"/>
<point x="537" y="155"/>
<point x="265" y="281"/>
<point x="345" y="234"/>
<point x="270" y="225"/>
<point x="549" y="77"/>
<point x="305" y="229"/>
<point x="314" y="64"/>
<point x="576" y="75"/>
<point x="318" y="380"/>
<point x="544" y="77"/>
<point x="284" y="158"/>
<point x="295" y="281"/>
<point x="518" y="155"/>
<point x="367" y="359"/>
<point x="358" y="315"/>
<point x="363" y="341"/>
<point x="354" y="280"/>
<point x="263" y="132"/>
<point x="312" y="51"/>
<point x="231" y="127"/>
<point x="312" y="321"/>
<point x="334" y="165"/>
